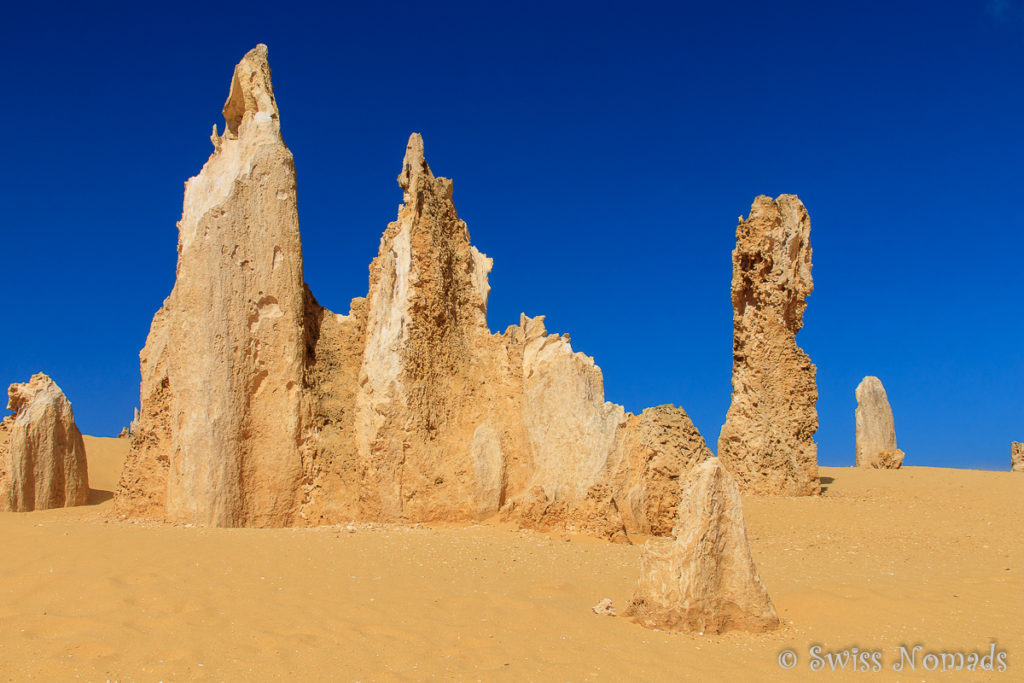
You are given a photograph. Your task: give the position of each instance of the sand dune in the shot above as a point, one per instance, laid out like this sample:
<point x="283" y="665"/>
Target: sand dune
<point x="882" y="559"/>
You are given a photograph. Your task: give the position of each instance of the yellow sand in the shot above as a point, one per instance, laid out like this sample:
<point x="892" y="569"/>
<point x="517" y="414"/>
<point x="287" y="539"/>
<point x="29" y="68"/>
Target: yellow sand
<point x="917" y="556"/>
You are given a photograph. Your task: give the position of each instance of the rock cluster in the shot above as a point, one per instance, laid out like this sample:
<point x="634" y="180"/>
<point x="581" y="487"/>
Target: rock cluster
<point x="1017" y="456"/>
<point x="260" y="407"/>
<point x="704" y="579"/>
<point x="767" y="441"/>
<point x="876" y="433"/>
<point x="42" y="453"/>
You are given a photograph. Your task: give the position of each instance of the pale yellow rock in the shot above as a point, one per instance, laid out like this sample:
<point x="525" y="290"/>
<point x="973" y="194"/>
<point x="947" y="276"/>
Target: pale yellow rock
<point x="886" y="459"/>
<point x="876" y="433"/>
<point x="1017" y="456"/>
<point x="223" y="365"/>
<point x="767" y="441"/>
<point x="604" y="608"/>
<point x="704" y="578"/>
<point x="656" y="449"/>
<point x="42" y="453"/>
<point x="262" y="407"/>
<point x="570" y="428"/>
<point x="429" y="416"/>
<point x="5" y="463"/>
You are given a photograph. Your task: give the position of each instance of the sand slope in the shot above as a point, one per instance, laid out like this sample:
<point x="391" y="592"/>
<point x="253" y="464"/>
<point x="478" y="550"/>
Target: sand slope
<point x="917" y="556"/>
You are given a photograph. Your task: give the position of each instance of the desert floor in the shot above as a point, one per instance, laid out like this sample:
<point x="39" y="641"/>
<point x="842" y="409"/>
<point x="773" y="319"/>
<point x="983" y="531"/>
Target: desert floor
<point x="919" y="556"/>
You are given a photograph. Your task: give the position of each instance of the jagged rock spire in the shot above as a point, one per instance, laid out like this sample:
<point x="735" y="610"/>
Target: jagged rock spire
<point x="414" y="164"/>
<point x="260" y="407"/>
<point x="223" y="365"/>
<point x="767" y="441"/>
<point x="251" y="94"/>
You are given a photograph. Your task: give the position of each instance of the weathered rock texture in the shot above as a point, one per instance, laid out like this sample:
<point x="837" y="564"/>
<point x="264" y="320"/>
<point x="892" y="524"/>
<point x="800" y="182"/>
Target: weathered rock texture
<point x="767" y="441"/>
<point x="262" y="407"/>
<point x="1017" y="456"/>
<point x="223" y="365"/>
<point x="42" y="453"/>
<point x="704" y="579"/>
<point x="876" y="433"/>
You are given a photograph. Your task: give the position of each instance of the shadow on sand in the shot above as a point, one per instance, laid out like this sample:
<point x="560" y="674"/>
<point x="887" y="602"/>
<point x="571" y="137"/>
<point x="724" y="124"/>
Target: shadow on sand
<point x="97" y="496"/>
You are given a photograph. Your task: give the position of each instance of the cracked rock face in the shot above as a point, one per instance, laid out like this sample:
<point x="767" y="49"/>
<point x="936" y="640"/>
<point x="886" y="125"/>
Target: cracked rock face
<point x="42" y="453"/>
<point x="1017" y="456"/>
<point x="767" y="441"/>
<point x="704" y="579"/>
<point x="262" y="407"/>
<point x="876" y="433"/>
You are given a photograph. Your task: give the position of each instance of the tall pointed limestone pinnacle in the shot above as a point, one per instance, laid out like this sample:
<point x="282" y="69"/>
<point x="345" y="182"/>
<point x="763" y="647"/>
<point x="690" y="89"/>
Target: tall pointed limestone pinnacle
<point x="426" y="315"/>
<point x="414" y="167"/>
<point x="767" y="441"/>
<point x="704" y="579"/>
<point x="217" y="440"/>
<point x="419" y="413"/>
<point x="262" y="407"/>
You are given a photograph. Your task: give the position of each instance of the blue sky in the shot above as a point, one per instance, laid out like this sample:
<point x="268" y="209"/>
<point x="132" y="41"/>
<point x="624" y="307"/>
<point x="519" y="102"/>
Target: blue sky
<point x="601" y="155"/>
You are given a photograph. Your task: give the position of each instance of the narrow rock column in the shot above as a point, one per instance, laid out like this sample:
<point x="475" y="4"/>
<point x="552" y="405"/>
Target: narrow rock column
<point x="876" y="433"/>
<point x="42" y="453"/>
<point x="767" y="441"/>
<point x="704" y="579"/>
<point x="218" y="432"/>
<point x="1017" y="456"/>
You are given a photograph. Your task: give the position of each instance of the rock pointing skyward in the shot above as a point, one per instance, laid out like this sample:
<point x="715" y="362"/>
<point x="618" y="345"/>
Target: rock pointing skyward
<point x="42" y="453"/>
<point x="222" y="369"/>
<point x="1017" y="456"/>
<point x="767" y="441"/>
<point x="876" y="434"/>
<point x="262" y="407"/>
<point x="704" y="579"/>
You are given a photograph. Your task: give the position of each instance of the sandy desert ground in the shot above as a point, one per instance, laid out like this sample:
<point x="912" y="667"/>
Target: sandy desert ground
<point x="919" y="556"/>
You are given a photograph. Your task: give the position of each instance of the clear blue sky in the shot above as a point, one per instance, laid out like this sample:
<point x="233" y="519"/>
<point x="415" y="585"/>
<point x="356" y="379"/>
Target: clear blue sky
<point x="601" y="155"/>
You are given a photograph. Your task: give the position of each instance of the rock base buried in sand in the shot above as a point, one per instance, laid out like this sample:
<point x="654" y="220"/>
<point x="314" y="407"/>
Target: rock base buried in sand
<point x="260" y="407"/>
<point x="704" y="579"/>
<point x="876" y="433"/>
<point x="885" y="459"/>
<point x="42" y="453"/>
<point x="767" y="441"/>
<point x="604" y="608"/>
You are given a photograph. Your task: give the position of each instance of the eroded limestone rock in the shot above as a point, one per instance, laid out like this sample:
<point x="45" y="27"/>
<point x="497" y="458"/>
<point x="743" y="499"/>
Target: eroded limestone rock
<point x="421" y="414"/>
<point x="217" y="439"/>
<point x="604" y="608"/>
<point x="1017" y="456"/>
<point x="42" y="453"/>
<point x="767" y="441"/>
<point x="262" y="407"/>
<point x="887" y="459"/>
<point x="704" y="578"/>
<point x="876" y="433"/>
